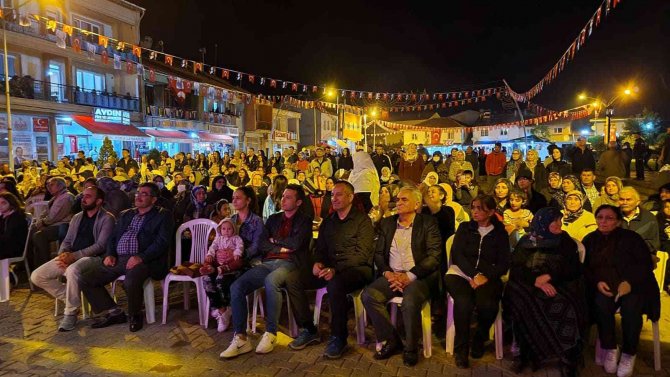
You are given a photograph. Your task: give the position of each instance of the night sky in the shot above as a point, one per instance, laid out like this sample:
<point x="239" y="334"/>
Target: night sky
<point x="393" y="46"/>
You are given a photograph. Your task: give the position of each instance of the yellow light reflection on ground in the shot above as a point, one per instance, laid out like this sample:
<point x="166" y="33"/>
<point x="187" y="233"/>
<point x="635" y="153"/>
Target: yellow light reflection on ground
<point x="51" y="351"/>
<point x="134" y="360"/>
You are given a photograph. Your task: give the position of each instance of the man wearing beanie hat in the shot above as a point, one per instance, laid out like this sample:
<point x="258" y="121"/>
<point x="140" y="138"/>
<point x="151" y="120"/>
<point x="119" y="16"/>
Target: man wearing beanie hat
<point x="524" y="181"/>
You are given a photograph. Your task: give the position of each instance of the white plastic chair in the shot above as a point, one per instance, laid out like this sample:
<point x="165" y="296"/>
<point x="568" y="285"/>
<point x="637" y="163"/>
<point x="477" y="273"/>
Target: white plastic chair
<point x="659" y="274"/>
<point x="38" y="208"/>
<point x="7" y="267"/>
<point x="258" y="305"/>
<point x="149" y="298"/>
<point x="426" y="325"/>
<point x="200" y="230"/>
<point x="85" y="306"/>
<point x="359" y="311"/>
<point x="451" y="328"/>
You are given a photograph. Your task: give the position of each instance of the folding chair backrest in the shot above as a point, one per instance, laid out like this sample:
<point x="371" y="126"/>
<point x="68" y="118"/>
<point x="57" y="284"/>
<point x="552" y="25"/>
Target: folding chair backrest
<point x="39" y="208"/>
<point x="200" y="230"/>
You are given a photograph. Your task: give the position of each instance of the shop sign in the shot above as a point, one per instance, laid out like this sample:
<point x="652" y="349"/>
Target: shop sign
<point x="280" y="136"/>
<point x="40" y="124"/>
<point x="111" y="116"/>
<point x="230" y="131"/>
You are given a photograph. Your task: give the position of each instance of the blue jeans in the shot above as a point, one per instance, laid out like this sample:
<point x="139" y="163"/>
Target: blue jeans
<point x="271" y="274"/>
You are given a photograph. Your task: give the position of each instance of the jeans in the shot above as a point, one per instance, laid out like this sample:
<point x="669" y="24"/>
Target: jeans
<point x="47" y="277"/>
<point x="486" y="299"/>
<point x="270" y="274"/>
<point x="378" y="293"/>
<point x="631" y="321"/>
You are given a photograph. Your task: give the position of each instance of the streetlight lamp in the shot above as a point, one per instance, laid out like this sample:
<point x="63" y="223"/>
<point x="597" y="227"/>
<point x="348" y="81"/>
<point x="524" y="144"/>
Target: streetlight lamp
<point x="609" y="108"/>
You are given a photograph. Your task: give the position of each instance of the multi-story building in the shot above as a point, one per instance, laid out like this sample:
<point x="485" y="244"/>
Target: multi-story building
<point x="69" y="87"/>
<point x="190" y="112"/>
<point x="277" y="127"/>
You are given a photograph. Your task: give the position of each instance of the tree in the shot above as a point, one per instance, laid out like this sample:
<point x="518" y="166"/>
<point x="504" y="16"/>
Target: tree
<point x="155" y="155"/>
<point x="647" y="124"/>
<point x="541" y="131"/>
<point x="106" y="151"/>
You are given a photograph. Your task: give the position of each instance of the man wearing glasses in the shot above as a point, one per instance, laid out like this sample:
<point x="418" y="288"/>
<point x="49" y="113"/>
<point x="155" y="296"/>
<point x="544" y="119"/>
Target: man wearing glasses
<point x="138" y="248"/>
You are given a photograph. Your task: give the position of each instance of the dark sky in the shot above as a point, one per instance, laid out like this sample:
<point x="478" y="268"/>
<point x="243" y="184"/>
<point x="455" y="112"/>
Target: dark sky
<point x="437" y="46"/>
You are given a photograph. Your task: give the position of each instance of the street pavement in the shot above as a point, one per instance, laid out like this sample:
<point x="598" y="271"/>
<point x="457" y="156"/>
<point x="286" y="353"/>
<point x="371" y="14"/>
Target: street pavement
<point x="30" y="345"/>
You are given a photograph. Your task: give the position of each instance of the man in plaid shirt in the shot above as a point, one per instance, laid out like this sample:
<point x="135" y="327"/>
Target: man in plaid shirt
<point x="138" y="248"/>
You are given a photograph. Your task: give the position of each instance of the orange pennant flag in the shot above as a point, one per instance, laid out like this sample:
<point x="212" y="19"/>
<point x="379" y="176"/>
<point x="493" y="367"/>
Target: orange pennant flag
<point x="137" y="51"/>
<point x="67" y="29"/>
<point x="103" y="41"/>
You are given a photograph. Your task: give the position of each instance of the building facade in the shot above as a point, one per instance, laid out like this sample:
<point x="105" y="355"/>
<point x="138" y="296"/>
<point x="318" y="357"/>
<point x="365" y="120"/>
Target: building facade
<point x="67" y="90"/>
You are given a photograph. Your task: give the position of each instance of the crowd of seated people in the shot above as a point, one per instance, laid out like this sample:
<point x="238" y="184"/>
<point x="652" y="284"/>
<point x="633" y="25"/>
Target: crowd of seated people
<point x="382" y="222"/>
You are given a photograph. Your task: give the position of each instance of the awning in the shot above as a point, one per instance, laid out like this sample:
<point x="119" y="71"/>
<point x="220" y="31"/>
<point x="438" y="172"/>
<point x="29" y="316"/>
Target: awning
<point x="169" y="136"/>
<point x="129" y="132"/>
<point x="208" y="137"/>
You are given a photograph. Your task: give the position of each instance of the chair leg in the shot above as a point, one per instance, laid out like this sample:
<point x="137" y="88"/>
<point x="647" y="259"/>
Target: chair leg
<point x="56" y="307"/>
<point x="85" y="307"/>
<point x="394" y="314"/>
<point x="166" y="285"/>
<point x="200" y="292"/>
<point x="4" y="280"/>
<point x="657" y="346"/>
<point x="254" y="311"/>
<point x="30" y="282"/>
<point x="427" y="330"/>
<point x="451" y="328"/>
<point x="187" y="300"/>
<point x="149" y="301"/>
<point x="359" y="313"/>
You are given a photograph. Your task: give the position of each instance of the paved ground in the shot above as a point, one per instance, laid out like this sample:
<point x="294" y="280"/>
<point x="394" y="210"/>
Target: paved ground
<point x="31" y="346"/>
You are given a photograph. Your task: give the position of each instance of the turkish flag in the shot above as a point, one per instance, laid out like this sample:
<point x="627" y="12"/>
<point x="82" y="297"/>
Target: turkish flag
<point x="435" y="137"/>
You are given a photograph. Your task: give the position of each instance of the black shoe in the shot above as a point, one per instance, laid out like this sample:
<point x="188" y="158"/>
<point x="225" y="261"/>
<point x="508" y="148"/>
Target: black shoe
<point x="390" y="348"/>
<point x="477" y="349"/>
<point x="109" y="320"/>
<point x="462" y="362"/>
<point x="518" y="365"/>
<point x="410" y="358"/>
<point x="136" y="322"/>
<point x="568" y="371"/>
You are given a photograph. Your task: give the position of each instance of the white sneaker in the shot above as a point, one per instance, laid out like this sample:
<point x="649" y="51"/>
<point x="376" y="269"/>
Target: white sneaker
<point x="626" y="365"/>
<point x="267" y="343"/>
<point x="237" y="347"/>
<point x="223" y="320"/>
<point x="611" y="360"/>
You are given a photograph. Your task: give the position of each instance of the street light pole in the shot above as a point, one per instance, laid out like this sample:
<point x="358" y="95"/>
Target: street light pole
<point x="10" y="148"/>
<point x="609" y="111"/>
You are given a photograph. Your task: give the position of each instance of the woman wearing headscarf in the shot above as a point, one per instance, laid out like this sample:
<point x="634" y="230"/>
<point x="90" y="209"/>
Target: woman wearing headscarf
<point x="459" y="212"/>
<point x="619" y="278"/>
<point x="553" y="191"/>
<point x="577" y="221"/>
<point x="437" y="165"/>
<point x="568" y="183"/>
<point x="219" y="190"/>
<point x="197" y="207"/>
<point x="430" y="180"/>
<point x="386" y="176"/>
<point x="365" y="180"/>
<point x="544" y="295"/>
<point x="411" y="165"/>
<point x="514" y="164"/>
<point x="609" y="193"/>
<point x="557" y="164"/>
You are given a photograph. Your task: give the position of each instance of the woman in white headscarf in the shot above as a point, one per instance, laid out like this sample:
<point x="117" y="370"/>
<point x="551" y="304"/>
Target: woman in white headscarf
<point x="365" y="180"/>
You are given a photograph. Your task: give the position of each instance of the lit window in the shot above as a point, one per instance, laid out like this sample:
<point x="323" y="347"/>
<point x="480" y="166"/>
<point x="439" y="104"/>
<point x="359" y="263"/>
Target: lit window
<point x="88" y="80"/>
<point x="87" y="24"/>
<point x="11" y="60"/>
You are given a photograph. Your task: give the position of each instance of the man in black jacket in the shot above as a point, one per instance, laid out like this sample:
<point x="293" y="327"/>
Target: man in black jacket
<point x="138" y="248"/>
<point x="407" y="257"/>
<point x="284" y="244"/>
<point x="343" y="263"/>
<point x="380" y="159"/>
<point x="582" y="157"/>
<point x="536" y="201"/>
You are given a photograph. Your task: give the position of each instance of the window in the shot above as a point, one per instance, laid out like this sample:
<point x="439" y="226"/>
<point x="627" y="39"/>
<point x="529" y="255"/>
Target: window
<point x="56" y="77"/>
<point x="87" y="24"/>
<point x="503" y="131"/>
<point x="558" y="130"/>
<point x="450" y="135"/>
<point x="11" y="63"/>
<point x="87" y="80"/>
<point x="484" y="132"/>
<point x="54" y="14"/>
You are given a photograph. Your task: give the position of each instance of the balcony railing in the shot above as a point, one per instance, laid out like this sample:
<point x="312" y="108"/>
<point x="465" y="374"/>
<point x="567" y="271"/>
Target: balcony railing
<point x="27" y="87"/>
<point x="172" y="112"/>
<point x="226" y="119"/>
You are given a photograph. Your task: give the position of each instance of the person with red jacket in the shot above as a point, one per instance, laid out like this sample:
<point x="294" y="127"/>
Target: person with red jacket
<point x="495" y="164"/>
